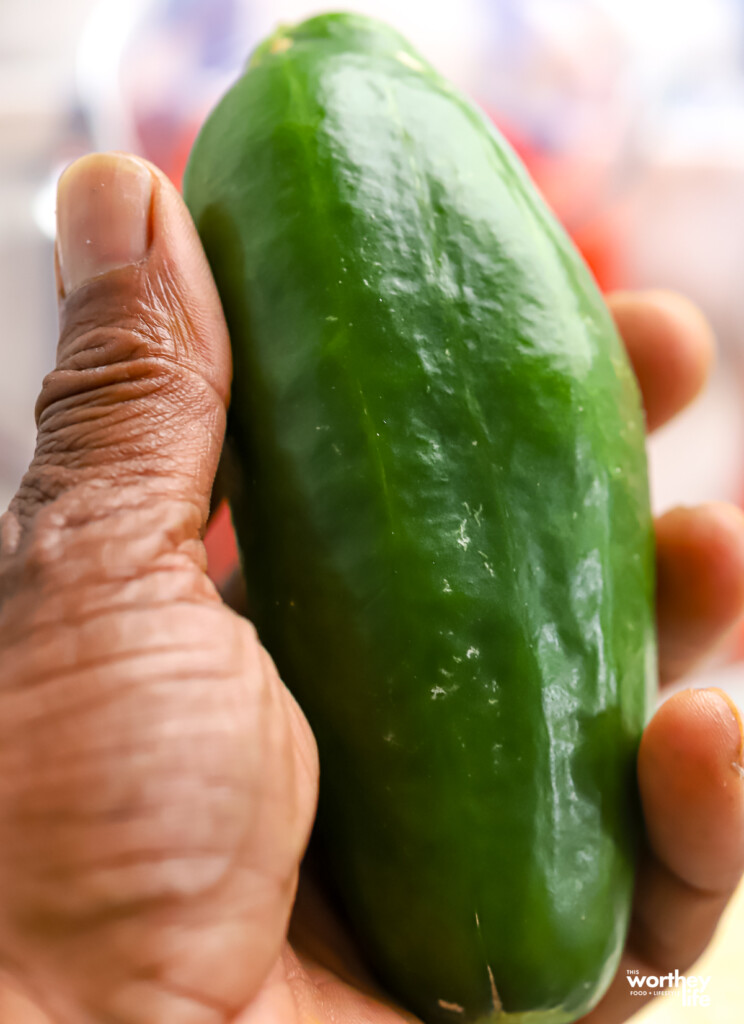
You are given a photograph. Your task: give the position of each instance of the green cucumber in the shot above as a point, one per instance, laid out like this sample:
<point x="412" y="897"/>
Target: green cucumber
<point x="443" y="517"/>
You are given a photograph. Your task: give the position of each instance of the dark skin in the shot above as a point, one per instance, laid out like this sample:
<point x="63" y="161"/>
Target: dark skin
<point x="158" y="782"/>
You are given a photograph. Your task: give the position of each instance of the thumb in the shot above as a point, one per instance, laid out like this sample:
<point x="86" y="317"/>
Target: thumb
<point x="157" y="782"/>
<point x="135" y="408"/>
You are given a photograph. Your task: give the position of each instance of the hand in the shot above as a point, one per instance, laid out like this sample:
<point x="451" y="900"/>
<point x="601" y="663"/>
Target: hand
<point x="158" y="782"/>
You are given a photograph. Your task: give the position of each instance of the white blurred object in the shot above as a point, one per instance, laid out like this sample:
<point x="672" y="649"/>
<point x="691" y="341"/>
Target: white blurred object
<point x="100" y="55"/>
<point x="446" y="38"/>
<point x="729" y="678"/>
<point x="37" y="92"/>
<point x="684" y="226"/>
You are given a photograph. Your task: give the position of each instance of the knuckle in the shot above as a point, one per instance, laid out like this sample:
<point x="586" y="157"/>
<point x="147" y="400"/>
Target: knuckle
<point x="93" y="535"/>
<point x="116" y="413"/>
<point x="124" y="422"/>
<point x="108" y="376"/>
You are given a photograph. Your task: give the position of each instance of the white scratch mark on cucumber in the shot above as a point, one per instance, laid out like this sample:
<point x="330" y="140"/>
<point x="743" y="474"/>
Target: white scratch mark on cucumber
<point x="486" y="563"/>
<point x="476" y="515"/>
<point x="452" y="1007"/>
<point x="463" y="540"/>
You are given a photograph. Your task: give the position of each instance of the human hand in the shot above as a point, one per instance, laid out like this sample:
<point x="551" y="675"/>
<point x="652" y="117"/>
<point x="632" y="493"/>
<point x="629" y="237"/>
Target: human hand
<point x="158" y="781"/>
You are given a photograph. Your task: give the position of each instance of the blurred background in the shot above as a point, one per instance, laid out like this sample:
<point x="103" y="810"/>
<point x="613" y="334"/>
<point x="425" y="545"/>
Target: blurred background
<point x="628" y="113"/>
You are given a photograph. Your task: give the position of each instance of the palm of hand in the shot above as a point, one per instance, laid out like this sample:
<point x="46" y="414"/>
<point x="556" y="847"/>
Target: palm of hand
<point x="160" y="782"/>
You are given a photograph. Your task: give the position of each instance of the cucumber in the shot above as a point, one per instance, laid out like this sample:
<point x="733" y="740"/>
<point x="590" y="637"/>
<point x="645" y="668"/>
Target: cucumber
<point x="443" y="516"/>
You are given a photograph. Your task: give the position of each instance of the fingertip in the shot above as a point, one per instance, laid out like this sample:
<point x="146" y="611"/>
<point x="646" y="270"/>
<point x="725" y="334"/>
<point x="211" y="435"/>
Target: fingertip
<point x="116" y="209"/>
<point x="689" y="318"/>
<point x="691" y="780"/>
<point x="732" y="722"/>
<point x="179" y="264"/>
<point x="697" y="725"/>
<point x="671" y="346"/>
<point x="103" y="217"/>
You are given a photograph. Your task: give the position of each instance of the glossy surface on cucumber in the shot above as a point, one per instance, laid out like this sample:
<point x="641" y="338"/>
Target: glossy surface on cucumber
<point x="443" y="518"/>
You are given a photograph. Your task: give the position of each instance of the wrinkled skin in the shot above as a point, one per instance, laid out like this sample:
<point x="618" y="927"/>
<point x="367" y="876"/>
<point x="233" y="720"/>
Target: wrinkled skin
<point x="158" y="782"/>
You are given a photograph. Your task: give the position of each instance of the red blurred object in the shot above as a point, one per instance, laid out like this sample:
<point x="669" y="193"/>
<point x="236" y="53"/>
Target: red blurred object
<point x="566" y="184"/>
<point x="222" y="548"/>
<point x="179" y="154"/>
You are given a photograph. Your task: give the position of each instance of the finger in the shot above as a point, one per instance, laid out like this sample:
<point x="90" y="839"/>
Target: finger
<point x="670" y="345"/>
<point x="149" y="849"/>
<point x="692" y="786"/>
<point x="700" y="582"/>
<point x="691" y="781"/>
<point x="134" y="412"/>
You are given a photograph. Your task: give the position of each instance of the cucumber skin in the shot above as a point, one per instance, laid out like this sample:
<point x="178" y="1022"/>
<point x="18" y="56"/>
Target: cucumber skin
<point x="443" y="517"/>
